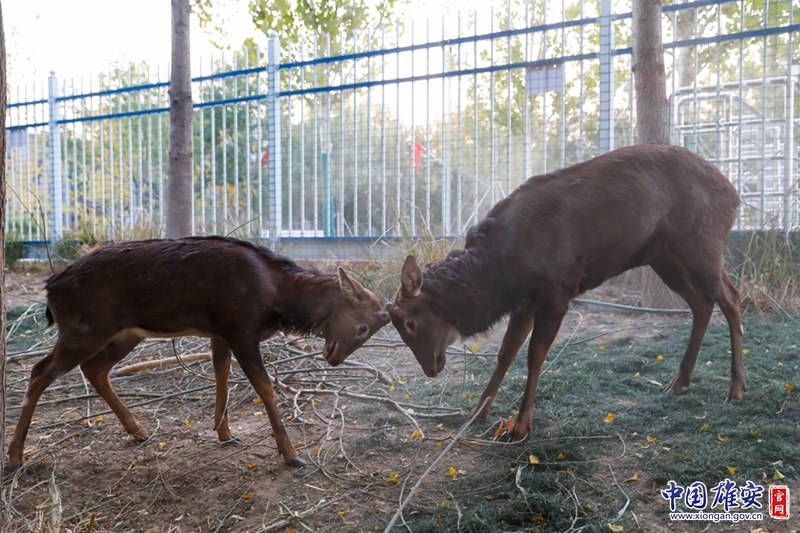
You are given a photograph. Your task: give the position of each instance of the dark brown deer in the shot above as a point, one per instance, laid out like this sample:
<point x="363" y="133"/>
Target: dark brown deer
<point x="566" y="232"/>
<point x="232" y="291"/>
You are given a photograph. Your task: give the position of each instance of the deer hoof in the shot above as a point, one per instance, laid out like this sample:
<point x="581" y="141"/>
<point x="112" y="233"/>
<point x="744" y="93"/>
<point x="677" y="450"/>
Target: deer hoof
<point x="141" y="438"/>
<point x="231" y="441"/>
<point x="296" y="462"/>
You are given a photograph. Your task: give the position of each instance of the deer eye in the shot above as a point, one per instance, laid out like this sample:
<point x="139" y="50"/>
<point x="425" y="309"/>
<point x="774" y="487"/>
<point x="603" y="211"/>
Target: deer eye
<point x="410" y="325"/>
<point x="362" y="328"/>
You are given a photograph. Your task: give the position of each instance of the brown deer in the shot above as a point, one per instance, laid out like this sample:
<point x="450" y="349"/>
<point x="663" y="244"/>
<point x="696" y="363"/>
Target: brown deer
<point x="232" y="291"/>
<point x="566" y="232"/>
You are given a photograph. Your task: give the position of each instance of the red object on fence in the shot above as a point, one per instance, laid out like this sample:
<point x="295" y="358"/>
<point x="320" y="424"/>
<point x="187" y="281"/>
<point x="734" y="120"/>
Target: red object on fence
<point x="265" y="159"/>
<point x="417" y="155"/>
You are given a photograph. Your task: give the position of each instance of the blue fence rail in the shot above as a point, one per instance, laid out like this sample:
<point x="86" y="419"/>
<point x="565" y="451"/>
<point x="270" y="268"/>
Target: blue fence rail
<point x="407" y="130"/>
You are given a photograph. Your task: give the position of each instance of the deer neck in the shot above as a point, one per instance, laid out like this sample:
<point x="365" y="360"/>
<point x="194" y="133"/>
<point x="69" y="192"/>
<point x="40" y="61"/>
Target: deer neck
<point x="308" y="300"/>
<point x="472" y="290"/>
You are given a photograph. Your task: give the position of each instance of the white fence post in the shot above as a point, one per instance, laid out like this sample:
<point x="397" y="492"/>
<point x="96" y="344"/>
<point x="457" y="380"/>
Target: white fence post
<point x="606" y="88"/>
<point x="274" y="141"/>
<point x="56" y="218"/>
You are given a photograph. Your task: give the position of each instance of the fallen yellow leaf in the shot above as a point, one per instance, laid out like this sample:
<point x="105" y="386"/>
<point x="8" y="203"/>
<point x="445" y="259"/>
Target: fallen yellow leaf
<point x="187" y="425"/>
<point x="452" y="471"/>
<point x="533" y="459"/>
<point x="392" y="388"/>
<point x="560" y="457"/>
<point x="704" y="427"/>
<point x="343" y="512"/>
<point x="247" y="496"/>
<point x="778" y="475"/>
<point x="732" y="469"/>
<point x="609" y="418"/>
<point x="257" y="401"/>
<point x="416" y="434"/>
<point x="659" y="358"/>
<point x="788" y="386"/>
<point x="99" y="418"/>
<point x="616" y="528"/>
<point x="633" y="478"/>
<point x="392" y="477"/>
<point x="474" y="347"/>
<point x="161" y="445"/>
<point x="651" y="439"/>
<point x="251" y="465"/>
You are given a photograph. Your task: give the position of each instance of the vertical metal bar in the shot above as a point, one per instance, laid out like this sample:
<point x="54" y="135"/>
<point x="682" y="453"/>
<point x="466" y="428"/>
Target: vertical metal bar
<point x="491" y="112"/>
<point x="509" y="26"/>
<point x="459" y="139"/>
<point x="121" y="159"/>
<point x="290" y="154"/>
<point x="56" y="185"/>
<point x="149" y="97"/>
<point x="428" y="128"/>
<point x="317" y="155"/>
<point x="413" y="194"/>
<point x="580" y="90"/>
<point x="563" y="97"/>
<point x="476" y="143"/>
<point x="397" y="207"/>
<point x="76" y="171"/>
<point x="447" y="193"/>
<point x="741" y="108"/>
<point x="355" y="139"/>
<point x="789" y="148"/>
<point x="202" y="136"/>
<point x="131" y="195"/>
<point x="274" y="139"/>
<point x="102" y="127"/>
<point x="384" y="176"/>
<point x="213" y="148"/>
<point x="370" y="231"/>
<point x="161" y="202"/>
<point x="140" y="156"/>
<point x="341" y="220"/>
<point x="237" y="207"/>
<point x="260" y="142"/>
<point x="224" y="144"/>
<point x="544" y="93"/>
<point x="93" y="158"/>
<point x="606" y="84"/>
<point x="248" y="184"/>
<point x="526" y="120"/>
<point x="303" y="144"/>
<point x="762" y="179"/>
<point x="86" y="138"/>
<point x="327" y="148"/>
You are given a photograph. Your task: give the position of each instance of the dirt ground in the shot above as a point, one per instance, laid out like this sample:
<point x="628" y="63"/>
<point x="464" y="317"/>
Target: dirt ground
<point x="83" y="473"/>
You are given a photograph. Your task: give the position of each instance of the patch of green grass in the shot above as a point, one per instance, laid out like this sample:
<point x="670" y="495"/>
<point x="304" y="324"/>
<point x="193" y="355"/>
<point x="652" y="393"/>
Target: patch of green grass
<point x="694" y="436"/>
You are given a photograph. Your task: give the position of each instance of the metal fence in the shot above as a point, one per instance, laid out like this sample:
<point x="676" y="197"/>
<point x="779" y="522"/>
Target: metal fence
<point x="409" y="130"/>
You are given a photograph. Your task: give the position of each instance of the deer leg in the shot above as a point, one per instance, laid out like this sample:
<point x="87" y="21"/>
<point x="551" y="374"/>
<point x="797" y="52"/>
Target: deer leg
<point x="66" y="355"/>
<point x="221" y="356"/>
<point x="696" y="294"/>
<point x="545" y="329"/>
<point x="728" y="301"/>
<point x="519" y="325"/>
<point x="96" y="370"/>
<point x="249" y="358"/>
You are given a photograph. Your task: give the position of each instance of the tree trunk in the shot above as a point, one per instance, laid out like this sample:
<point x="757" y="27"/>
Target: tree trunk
<point x="179" y="186"/>
<point x="3" y="102"/>
<point x="652" y="115"/>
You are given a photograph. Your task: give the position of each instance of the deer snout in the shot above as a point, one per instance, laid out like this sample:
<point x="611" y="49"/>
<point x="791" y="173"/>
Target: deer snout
<point x="384" y="317"/>
<point x="389" y="307"/>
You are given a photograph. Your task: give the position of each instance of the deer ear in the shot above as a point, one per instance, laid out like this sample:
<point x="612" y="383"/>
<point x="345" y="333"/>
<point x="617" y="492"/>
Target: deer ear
<point x="411" y="277"/>
<point x="350" y="287"/>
